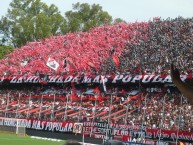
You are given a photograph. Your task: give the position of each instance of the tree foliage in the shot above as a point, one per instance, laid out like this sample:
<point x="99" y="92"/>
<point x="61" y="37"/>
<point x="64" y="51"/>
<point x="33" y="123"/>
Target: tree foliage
<point x="4" y="31"/>
<point x="119" y="20"/>
<point x="31" y="20"/>
<point x="85" y="16"/>
<point x="5" y="50"/>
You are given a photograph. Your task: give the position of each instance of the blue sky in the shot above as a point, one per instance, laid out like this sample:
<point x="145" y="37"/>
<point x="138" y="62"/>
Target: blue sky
<point x="128" y="10"/>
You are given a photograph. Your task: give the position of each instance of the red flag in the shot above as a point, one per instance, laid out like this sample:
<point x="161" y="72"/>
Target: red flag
<point x="116" y="60"/>
<point x="96" y="90"/>
<point x="68" y="65"/>
<point x="91" y="65"/>
<point x="73" y="88"/>
<point x="98" y="96"/>
<point x="74" y="94"/>
<point x="134" y="97"/>
<point x="75" y="97"/>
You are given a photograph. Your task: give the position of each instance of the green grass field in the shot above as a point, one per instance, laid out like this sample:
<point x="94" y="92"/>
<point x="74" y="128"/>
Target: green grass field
<point x="8" y="139"/>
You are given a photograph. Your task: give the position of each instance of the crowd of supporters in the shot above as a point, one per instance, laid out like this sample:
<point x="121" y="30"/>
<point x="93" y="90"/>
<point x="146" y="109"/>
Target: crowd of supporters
<point x="153" y="109"/>
<point x="135" y="48"/>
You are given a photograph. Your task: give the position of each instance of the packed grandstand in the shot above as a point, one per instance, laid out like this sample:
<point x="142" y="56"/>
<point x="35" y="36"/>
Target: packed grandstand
<point x="113" y="73"/>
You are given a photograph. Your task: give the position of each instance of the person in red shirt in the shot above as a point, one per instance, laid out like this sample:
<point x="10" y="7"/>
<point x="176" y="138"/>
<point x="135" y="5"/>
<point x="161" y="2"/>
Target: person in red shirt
<point x="183" y="87"/>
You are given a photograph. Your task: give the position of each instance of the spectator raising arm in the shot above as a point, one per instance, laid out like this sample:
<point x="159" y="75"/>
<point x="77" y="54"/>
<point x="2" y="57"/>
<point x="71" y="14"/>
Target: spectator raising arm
<point x="184" y="88"/>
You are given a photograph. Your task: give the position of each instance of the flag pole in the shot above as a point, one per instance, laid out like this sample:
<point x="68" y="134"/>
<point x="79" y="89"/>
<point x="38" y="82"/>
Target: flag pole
<point x="16" y="115"/>
<point x="83" y="123"/>
<point x="93" y="118"/>
<point x="179" y="120"/>
<point x="109" y="116"/>
<point x="53" y="106"/>
<point x="126" y="116"/>
<point x="40" y="107"/>
<point x="7" y="96"/>
<point x="144" y="115"/>
<point x="140" y="93"/>
<point x="80" y="107"/>
<point x="29" y="105"/>
<point x="163" y="116"/>
<point x="71" y="96"/>
<point x="65" y="115"/>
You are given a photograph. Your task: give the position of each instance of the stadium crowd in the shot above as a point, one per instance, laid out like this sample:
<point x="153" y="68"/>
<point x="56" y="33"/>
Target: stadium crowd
<point x="136" y="48"/>
<point x="133" y="48"/>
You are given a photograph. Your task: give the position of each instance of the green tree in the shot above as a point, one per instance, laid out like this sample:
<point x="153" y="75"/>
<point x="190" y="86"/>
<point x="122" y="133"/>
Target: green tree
<point x="119" y="20"/>
<point x="5" y="50"/>
<point x="30" y="20"/>
<point x="5" y="38"/>
<point x="85" y="16"/>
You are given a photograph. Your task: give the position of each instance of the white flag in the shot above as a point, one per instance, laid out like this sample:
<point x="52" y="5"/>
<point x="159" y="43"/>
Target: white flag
<point x="77" y="128"/>
<point x="23" y="63"/>
<point x="52" y="64"/>
<point x="103" y="82"/>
